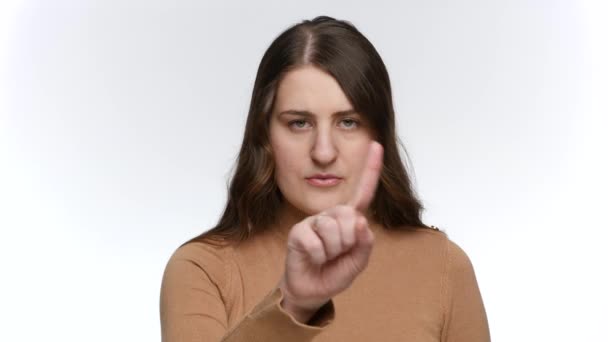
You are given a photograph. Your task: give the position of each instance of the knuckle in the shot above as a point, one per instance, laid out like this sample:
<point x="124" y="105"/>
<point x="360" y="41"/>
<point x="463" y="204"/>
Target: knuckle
<point x="351" y="212"/>
<point x="346" y="209"/>
<point x="322" y="219"/>
<point x="313" y="245"/>
<point x="348" y="243"/>
<point x="325" y="221"/>
<point x="362" y="220"/>
<point x="332" y="222"/>
<point x="299" y="226"/>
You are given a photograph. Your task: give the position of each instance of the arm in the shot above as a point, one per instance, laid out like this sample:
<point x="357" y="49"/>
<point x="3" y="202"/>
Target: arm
<point x="192" y="307"/>
<point x="465" y="316"/>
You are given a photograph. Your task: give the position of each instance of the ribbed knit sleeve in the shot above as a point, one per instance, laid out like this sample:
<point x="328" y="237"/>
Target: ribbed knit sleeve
<point x="192" y="305"/>
<point x="464" y="312"/>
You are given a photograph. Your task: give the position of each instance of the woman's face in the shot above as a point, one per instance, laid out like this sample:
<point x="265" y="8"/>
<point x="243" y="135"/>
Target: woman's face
<point x="314" y="133"/>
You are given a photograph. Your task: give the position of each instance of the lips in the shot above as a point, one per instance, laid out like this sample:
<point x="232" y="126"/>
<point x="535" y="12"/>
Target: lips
<point x="323" y="176"/>
<point x="323" y="180"/>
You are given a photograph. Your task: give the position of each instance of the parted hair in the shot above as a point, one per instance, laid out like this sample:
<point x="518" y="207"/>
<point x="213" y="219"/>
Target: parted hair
<point x="338" y="48"/>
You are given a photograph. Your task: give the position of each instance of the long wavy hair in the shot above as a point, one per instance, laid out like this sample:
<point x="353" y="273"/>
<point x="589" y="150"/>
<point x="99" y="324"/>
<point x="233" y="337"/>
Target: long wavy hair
<point x="339" y="49"/>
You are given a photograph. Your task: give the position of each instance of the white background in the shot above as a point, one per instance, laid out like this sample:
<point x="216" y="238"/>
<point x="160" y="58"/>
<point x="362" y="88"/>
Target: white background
<point x="120" y="121"/>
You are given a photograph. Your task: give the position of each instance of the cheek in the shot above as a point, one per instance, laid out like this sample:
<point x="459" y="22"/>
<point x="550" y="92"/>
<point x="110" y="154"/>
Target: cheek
<point x="288" y="162"/>
<point x="357" y="155"/>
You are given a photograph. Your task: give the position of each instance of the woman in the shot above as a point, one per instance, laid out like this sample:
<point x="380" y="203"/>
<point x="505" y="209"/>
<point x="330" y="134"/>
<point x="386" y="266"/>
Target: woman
<point x="318" y="183"/>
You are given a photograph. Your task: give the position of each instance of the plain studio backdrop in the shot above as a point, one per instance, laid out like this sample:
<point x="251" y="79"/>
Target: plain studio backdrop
<point x="120" y="121"/>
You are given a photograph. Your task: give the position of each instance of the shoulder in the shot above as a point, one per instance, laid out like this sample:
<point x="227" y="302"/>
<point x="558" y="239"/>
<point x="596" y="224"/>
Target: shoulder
<point x="432" y="244"/>
<point x="423" y="247"/>
<point x="458" y="264"/>
<point x="441" y="241"/>
<point x="446" y="254"/>
<point x="453" y="255"/>
<point x="436" y="250"/>
<point x="428" y="239"/>
<point x="202" y="252"/>
<point x="200" y="259"/>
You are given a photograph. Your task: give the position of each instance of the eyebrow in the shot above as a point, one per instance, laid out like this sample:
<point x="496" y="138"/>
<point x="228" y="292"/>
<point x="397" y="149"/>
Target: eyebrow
<point x="307" y="113"/>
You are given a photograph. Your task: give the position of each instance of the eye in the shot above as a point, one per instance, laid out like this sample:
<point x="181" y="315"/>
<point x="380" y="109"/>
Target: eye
<point x="298" y="124"/>
<point x="350" y="123"/>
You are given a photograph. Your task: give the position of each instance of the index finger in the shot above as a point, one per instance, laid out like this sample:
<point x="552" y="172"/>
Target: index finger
<point x="365" y="190"/>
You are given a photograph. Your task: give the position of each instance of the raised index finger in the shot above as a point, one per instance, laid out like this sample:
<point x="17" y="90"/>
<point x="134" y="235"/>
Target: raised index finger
<point x="365" y="190"/>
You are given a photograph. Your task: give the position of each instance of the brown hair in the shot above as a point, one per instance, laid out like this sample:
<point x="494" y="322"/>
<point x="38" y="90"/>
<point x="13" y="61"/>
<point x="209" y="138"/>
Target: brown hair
<point x="338" y="48"/>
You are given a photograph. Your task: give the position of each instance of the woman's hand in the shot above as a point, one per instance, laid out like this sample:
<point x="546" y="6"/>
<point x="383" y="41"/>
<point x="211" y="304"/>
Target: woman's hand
<point x="327" y="251"/>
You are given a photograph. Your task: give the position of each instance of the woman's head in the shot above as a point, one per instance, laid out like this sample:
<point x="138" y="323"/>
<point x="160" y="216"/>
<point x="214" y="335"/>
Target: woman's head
<point x="315" y="131"/>
<point x="321" y="94"/>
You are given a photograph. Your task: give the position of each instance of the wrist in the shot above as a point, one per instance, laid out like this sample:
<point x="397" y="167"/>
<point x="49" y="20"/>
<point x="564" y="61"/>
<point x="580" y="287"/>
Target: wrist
<point x="302" y="315"/>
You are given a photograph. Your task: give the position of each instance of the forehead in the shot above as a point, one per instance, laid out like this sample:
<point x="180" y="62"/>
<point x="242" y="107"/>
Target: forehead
<point x="310" y="88"/>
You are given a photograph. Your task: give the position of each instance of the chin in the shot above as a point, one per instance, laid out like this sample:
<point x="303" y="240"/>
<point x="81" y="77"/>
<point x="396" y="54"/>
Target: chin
<point x="314" y="207"/>
<point x="312" y="203"/>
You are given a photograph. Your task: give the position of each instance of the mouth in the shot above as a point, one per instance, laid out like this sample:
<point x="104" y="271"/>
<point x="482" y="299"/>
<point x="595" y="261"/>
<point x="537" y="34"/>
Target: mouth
<point x="323" y="180"/>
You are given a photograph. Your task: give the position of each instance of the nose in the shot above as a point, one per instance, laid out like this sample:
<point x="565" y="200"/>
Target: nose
<point x="323" y="151"/>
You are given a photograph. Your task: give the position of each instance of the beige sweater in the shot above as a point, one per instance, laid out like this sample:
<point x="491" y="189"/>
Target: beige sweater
<point x="418" y="286"/>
